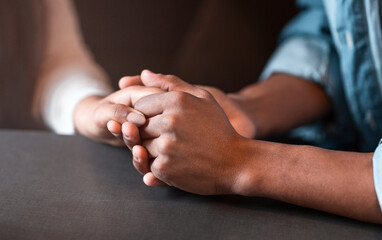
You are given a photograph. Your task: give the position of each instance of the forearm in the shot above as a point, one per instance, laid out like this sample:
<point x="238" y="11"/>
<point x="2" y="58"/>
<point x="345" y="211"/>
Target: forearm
<point x="68" y="72"/>
<point x="332" y="181"/>
<point x="282" y="103"/>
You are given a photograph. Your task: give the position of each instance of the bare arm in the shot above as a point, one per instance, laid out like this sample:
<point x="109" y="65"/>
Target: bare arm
<point x="282" y="103"/>
<point x="332" y="181"/>
<point x="68" y="72"/>
<point x="194" y="147"/>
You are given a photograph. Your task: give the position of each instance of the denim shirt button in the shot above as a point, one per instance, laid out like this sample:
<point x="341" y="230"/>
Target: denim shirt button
<point x="369" y="117"/>
<point x="349" y="40"/>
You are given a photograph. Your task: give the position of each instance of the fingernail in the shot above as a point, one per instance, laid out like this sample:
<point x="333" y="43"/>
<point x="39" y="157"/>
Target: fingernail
<point x="136" y="159"/>
<point x="136" y="118"/>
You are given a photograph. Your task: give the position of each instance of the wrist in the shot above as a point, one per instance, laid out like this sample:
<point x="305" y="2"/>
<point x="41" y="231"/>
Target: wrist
<point x="253" y="163"/>
<point x="261" y="170"/>
<point x="82" y="111"/>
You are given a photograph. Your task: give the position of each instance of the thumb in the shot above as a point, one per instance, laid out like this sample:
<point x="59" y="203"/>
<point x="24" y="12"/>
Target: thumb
<point x="170" y="83"/>
<point x="129" y="81"/>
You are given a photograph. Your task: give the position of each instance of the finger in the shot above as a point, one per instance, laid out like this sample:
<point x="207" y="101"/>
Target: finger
<point x="156" y="104"/>
<point x="115" y="129"/>
<point x="154" y="127"/>
<point x="117" y="112"/>
<point x="130" y="135"/>
<point x="142" y="164"/>
<point x="141" y="159"/>
<point x="137" y="118"/>
<point x="170" y="83"/>
<point x="151" y="145"/>
<point x="152" y="105"/>
<point x="130" y="95"/>
<point x="150" y="180"/>
<point x="129" y="81"/>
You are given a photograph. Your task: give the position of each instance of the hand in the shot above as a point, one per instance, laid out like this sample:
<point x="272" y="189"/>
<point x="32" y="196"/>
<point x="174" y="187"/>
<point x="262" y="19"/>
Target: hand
<point x="239" y="120"/>
<point x="195" y="149"/>
<point x="190" y="139"/>
<point x="236" y="115"/>
<point x="98" y="117"/>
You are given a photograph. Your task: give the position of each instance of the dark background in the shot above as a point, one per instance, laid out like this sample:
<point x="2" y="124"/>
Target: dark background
<point x="224" y="43"/>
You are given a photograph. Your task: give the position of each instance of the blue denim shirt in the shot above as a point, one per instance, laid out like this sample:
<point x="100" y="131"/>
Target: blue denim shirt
<point x="338" y="44"/>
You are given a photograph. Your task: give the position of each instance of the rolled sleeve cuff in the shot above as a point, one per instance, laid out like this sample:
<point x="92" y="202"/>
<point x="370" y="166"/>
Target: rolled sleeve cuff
<point x="302" y="56"/>
<point x="377" y="172"/>
<point x="60" y="103"/>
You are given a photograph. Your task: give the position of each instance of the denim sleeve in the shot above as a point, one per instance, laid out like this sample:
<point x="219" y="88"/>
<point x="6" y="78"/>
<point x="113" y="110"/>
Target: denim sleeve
<point x="307" y="50"/>
<point x="301" y="56"/>
<point x="305" y="45"/>
<point x="377" y="172"/>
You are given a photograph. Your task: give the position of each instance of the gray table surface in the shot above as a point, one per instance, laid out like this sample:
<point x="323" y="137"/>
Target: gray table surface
<point x="68" y="187"/>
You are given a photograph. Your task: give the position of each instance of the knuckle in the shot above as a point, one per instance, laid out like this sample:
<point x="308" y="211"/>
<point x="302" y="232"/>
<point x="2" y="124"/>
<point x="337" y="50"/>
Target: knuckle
<point x="166" y="146"/>
<point x="171" y="77"/>
<point x="205" y="94"/>
<point x="169" y="122"/>
<point x="119" y="111"/>
<point x="179" y="97"/>
<point x="160" y="168"/>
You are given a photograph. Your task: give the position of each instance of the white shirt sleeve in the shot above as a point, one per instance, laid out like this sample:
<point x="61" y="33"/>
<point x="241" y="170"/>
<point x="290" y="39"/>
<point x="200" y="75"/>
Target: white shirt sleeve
<point x="58" y="107"/>
<point x="69" y="73"/>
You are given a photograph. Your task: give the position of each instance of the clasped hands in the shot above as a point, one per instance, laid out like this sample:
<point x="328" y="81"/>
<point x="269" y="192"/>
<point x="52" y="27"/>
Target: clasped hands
<point x="180" y="135"/>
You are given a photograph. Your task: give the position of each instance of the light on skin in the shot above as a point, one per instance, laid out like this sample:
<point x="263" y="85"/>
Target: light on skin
<point x="188" y="142"/>
<point x="100" y="118"/>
